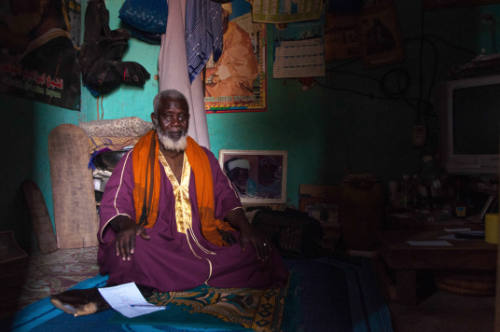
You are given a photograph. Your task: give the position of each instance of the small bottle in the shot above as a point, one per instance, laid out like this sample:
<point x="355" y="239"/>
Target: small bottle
<point x="405" y="191"/>
<point x="460" y="205"/>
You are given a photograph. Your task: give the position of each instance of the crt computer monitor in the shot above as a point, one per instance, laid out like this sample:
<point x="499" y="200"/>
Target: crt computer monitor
<point x="469" y="111"/>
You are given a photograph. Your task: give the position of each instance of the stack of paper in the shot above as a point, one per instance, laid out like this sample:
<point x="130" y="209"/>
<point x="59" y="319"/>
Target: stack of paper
<point x="128" y="300"/>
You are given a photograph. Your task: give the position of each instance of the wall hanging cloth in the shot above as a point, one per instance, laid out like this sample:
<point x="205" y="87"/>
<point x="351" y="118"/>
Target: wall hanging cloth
<point x="204" y="31"/>
<point x="145" y="19"/>
<point x="101" y="53"/>
<point x="145" y="15"/>
<point x="173" y="73"/>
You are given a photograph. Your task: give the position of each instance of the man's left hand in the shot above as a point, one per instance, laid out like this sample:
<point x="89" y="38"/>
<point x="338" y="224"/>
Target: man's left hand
<point x="250" y="236"/>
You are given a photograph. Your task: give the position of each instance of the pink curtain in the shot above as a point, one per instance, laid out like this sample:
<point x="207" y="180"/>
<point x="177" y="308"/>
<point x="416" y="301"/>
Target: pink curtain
<point x="173" y="74"/>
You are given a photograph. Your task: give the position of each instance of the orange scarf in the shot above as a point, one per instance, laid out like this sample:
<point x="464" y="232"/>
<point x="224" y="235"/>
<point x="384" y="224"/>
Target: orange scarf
<point x="147" y="175"/>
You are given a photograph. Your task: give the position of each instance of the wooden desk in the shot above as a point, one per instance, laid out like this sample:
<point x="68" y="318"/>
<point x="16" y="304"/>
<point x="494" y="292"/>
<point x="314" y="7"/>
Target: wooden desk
<point x="464" y="255"/>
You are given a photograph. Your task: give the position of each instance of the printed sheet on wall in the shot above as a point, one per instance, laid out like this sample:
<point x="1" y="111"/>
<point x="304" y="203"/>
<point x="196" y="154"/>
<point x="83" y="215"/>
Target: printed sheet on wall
<point x="38" y="51"/>
<point x="237" y="81"/>
<point x="299" y="58"/>
<point x="299" y="50"/>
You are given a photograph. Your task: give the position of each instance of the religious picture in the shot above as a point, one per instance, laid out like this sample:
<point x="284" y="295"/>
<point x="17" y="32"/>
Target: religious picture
<point x="39" y="51"/>
<point x="259" y="177"/>
<point x="342" y="39"/>
<point x="381" y="38"/>
<point x="237" y="81"/>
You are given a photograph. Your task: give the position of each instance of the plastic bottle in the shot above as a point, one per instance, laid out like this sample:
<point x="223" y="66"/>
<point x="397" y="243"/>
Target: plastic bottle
<point x="405" y="191"/>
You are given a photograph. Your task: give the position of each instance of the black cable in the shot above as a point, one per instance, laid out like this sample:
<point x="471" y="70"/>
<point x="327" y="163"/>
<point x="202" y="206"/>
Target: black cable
<point x="364" y="94"/>
<point x="420" y="66"/>
<point x="424" y="106"/>
<point x="450" y="44"/>
<point x="345" y="63"/>
<point x="434" y="67"/>
<point x="370" y="95"/>
<point x="403" y="80"/>
<point x="435" y="58"/>
<point x="353" y="74"/>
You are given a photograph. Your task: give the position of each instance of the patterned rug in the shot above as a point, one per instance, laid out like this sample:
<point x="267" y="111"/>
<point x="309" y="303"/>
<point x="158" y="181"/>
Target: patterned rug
<point x="258" y="309"/>
<point x="35" y="277"/>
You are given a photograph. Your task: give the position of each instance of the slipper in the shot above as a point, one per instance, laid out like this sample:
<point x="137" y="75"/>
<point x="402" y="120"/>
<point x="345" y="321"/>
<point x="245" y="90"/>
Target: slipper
<point x="80" y="302"/>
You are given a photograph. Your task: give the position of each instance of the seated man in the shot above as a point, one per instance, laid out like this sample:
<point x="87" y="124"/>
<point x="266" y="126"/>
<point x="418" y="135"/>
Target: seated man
<point x="170" y="220"/>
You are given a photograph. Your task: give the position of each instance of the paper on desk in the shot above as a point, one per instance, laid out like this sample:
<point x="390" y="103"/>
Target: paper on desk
<point x="128" y="300"/>
<point x="450" y="237"/>
<point x="429" y="243"/>
<point x="454" y="230"/>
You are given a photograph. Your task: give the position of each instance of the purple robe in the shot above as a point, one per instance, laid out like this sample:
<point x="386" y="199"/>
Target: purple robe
<point x="173" y="261"/>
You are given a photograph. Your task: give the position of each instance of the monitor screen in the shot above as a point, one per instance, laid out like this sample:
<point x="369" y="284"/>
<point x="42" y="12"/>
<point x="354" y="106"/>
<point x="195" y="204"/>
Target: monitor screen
<point x="476" y="119"/>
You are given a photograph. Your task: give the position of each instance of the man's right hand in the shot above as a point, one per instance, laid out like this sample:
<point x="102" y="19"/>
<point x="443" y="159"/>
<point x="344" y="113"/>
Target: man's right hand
<point x="126" y="232"/>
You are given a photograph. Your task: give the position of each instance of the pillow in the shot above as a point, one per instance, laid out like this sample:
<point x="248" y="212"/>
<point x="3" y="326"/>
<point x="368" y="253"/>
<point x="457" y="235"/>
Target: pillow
<point x="123" y="127"/>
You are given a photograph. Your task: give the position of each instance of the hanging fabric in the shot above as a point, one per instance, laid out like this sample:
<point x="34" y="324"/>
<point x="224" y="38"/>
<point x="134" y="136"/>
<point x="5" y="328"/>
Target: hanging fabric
<point x="101" y="53"/>
<point x="146" y="15"/>
<point x="173" y="72"/>
<point x="145" y="19"/>
<point x="204" y="31"/>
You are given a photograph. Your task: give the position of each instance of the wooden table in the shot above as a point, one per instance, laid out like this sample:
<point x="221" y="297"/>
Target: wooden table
<point x="463" y="256"/>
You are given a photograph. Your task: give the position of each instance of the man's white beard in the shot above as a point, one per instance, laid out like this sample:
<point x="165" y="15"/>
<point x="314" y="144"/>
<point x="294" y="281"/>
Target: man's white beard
<point x="170" y="144"/>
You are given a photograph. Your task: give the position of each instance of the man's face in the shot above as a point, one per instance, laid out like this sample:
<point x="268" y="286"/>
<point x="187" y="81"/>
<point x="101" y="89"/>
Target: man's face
<point x="172" y="119"/>
<point x="267" y="172"/>
<point x="239" y="177"/>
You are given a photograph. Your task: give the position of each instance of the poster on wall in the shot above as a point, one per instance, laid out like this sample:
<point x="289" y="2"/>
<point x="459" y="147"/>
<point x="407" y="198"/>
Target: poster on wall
<point x="342" y="38"/>
<point x="237" y="81"/>
<point x="380" y="34"/>
<point x="38" y="55"/>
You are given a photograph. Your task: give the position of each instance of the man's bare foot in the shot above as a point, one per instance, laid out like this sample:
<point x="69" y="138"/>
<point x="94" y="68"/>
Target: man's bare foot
<point x="80" y="302"/>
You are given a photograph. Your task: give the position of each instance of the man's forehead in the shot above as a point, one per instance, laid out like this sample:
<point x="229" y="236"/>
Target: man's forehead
<point x="170" y="104"/>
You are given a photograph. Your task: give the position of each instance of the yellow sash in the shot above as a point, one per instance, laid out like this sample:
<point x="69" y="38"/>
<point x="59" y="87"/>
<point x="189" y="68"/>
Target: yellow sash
<point x="146" y="169"/>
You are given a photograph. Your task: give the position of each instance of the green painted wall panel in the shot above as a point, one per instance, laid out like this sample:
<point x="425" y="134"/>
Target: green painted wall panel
<point x="27" y="125"/>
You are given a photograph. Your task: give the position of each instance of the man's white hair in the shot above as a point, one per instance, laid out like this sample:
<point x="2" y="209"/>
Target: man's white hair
<point x="170" y="94"/>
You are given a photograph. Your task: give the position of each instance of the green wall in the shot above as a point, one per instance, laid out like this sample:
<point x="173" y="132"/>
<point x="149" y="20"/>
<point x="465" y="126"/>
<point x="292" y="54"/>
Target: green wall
<point x="327" y="132"/>
<point x="26" y="127"/>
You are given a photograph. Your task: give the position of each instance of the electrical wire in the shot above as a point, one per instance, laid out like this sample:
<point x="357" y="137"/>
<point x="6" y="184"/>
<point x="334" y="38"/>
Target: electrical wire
<point x="424" y="107"/>
<point x="451" y="45"/>
<point x="420" y="67"/>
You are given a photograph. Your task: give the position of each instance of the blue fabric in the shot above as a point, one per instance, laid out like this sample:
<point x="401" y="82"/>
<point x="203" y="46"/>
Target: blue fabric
<point x="39" y="312"/>
<point x="145" y="15"/>
<point x="94" y="154"/>
<point x="326" y="294"/>
<point x="203" y="34"/>
<point x="111" y="321"/>
<point x="178" y="318"/>
<point x="317" y="298"/>
<point x="369" y="312"/>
